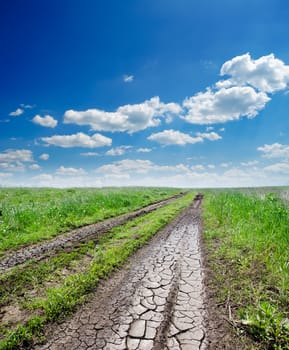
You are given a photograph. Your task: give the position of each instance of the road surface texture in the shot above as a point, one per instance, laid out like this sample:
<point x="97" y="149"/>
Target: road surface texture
<point x="155" y="302"/>
<point x="68" y="241"/>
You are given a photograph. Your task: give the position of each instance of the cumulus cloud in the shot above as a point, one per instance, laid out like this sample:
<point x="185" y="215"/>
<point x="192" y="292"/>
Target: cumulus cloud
<point x="12" y="160"/>
<point x="212" y="136"/>
<point x="130" y="118"/>
<point x="22" y="155"/>
<point x="278" y="168"/>
<point x="16" y="113"/>
<point x="224" y="105"/>
<point x="144" y="150"/>
<point x="138" y="166"/>
<point x="78" y="140"/>
<point x="43" y="177"/>
<point x="118" y="151"/>
<point x="174" y="137"/>
<point x="47" y="121"/>
<point x="275" y="150"/>
<point x="250" y="163"/>
<point x="44" y="156"/>
<point x="5" y="175"/>
<point x="243" y="94"/>
<point x="89" y="154"/>
<point x="34" y="167"/>
<point x="128" y="78"/>
<point x="70" y="171"/>
<point x="26" y="106"/>
<point x="198" y="167"/>
<point x="267" y="73"/>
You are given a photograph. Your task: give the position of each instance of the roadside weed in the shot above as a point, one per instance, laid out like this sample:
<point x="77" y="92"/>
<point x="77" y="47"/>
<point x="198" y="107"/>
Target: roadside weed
<point x="247" y="237"/>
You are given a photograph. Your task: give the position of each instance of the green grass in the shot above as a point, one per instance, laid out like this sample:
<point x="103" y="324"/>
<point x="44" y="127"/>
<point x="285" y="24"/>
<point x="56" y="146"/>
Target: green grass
<point x="110" y="253"/>
<point x="31" y="215"/>
<point x="248" y="243"/>
<point x="33" y="276"/>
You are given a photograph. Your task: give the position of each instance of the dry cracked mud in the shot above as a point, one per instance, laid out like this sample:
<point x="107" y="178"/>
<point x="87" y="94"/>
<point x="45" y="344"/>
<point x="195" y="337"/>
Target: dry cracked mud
<point x="155" y="302"/>
<point x="69" y="240"/>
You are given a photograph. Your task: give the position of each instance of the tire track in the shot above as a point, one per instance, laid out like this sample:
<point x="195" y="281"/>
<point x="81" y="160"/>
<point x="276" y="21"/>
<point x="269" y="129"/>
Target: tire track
<point x="157" y="303"/>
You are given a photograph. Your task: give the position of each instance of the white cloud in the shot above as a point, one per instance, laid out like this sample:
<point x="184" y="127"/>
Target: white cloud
<point x="89" y="154"/>
<point x="130" y="118"/>
<point x="173" y="137"/>
<point x="275" y="150"/>
<point x="34" y="167"/>
<point x="47" y="121"/>
<point x="43" y="177"/>
<point x="250" y="163"/>
<point x="197" y="167"/>
<point x="212" y="136"/>
<point x="5" y="175"/>
<point x="138" y="166"/>
<point x="70" y="171"/>
<point x="209" y="128"/>
<point x="23" y="105"/>
<point x="144" y="150"/>
<point x="126" y="166"/>
<point x="16" y="113"/>
<point x="44" y="156"/>
<point x="224" y="105"/>
<point x="244" y="94"/>
<point x="78" y="140"/>
<point x="128" y="78"/>
<point x="12" y="160"/>
<point x="22" y="155"/>
<point x="118" y="151"/>
<point x="278" y="168"/>
<point x="267" y="73"/>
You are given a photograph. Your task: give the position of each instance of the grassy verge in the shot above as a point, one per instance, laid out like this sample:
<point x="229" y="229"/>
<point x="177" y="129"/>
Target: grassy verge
<point x="111" y="252"/>
<point x="247" y="238"/>
<point x="31" y="215"/>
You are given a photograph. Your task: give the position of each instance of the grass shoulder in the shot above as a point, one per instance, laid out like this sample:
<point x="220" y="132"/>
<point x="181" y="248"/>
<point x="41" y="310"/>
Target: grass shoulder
<point x="247" y="241"/>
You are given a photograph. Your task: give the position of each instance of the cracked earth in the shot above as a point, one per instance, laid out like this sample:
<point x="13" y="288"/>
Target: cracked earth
<point x="155" y="302"/>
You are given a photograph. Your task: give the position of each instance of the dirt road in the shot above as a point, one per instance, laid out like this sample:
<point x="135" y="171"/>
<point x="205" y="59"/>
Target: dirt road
<point x="155" y="302"/>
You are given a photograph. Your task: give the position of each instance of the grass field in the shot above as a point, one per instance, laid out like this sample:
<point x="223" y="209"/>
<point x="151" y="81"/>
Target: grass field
<point x="31" y="215"/>
<point x="247" y="235"/>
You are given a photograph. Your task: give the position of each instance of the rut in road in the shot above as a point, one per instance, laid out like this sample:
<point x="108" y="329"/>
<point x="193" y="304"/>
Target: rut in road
<point x="157" y="303"/>
<point x="69" y="240"/>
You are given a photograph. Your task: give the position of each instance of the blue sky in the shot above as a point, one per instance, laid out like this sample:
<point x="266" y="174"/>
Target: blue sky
<point x="144" y="92"/>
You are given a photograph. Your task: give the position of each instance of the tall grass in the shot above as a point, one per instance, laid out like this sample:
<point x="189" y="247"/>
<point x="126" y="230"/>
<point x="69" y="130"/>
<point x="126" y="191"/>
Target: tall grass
<point x="248" y="240"/>
<point x="29" y="215"/>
